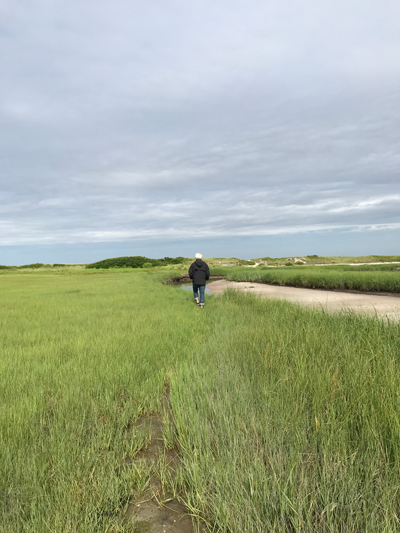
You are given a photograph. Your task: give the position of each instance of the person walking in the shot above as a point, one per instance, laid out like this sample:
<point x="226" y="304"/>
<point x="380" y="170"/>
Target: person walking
<point x="199" y="273"/>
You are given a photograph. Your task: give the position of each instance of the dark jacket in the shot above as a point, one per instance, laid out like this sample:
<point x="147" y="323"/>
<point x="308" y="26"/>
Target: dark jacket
<point x="199" y="272"/>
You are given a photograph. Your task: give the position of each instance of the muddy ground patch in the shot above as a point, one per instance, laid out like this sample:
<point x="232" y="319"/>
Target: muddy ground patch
<point x="152" y="508"/>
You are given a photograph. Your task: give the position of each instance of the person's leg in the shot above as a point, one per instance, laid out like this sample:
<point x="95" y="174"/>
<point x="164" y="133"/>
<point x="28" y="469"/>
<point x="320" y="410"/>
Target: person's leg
<point x="196" y="292"/>
<point x="202" y="291"/>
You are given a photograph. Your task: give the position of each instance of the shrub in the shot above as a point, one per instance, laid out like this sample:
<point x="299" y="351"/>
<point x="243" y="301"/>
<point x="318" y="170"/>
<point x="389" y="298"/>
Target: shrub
<point x="136" y="261"/>
<point x="33" y="265"/>
<point x="243" y="262"/>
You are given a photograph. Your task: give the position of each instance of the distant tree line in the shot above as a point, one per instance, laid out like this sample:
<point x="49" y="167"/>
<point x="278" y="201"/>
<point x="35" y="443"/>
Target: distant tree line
<point x="136" y="261"/>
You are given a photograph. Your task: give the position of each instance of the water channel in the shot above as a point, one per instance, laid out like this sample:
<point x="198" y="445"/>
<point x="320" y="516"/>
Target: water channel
<point x="189" y="287"/>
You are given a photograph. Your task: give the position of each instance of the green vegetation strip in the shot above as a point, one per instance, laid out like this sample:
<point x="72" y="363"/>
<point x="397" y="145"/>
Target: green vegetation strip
<point x="368" y="278"/>
<point x="287" y="419"/>
<point x="136" y="261"/>
<point x="326" y="260"/>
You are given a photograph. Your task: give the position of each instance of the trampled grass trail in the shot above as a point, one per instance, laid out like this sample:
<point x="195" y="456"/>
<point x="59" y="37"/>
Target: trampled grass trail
<point x="287" y="419"/>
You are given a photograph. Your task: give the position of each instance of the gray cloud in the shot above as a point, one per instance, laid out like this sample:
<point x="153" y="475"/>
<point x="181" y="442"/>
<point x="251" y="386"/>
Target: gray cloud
<point x="124" y="120"/>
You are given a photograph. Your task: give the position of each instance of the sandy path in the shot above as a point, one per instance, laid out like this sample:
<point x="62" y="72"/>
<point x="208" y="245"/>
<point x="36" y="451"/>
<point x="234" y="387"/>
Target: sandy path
<point x="329" y="300"/>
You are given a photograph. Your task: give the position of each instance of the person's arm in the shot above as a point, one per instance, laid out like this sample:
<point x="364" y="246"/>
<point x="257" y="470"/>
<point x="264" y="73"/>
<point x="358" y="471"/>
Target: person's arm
<point x="191" y="271"/>
<point x="207" y="272"/>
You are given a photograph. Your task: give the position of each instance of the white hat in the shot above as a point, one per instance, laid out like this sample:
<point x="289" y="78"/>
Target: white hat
<point x="198" y="256"/>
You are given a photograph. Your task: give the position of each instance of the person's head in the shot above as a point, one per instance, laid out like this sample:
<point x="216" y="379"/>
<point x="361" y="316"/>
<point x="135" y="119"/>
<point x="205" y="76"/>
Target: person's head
<point x="198" y="256"/>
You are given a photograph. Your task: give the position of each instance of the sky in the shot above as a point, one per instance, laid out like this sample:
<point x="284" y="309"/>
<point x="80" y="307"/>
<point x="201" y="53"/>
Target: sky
<point x="232" y="128"/>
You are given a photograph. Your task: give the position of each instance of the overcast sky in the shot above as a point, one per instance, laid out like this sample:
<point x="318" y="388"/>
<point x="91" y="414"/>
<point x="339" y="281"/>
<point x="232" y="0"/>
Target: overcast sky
<point x="247" y="128"/>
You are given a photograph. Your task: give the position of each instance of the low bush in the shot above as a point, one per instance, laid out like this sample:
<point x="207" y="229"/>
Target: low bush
<point x="34" y="265"/>
<point x="136" y="261"/>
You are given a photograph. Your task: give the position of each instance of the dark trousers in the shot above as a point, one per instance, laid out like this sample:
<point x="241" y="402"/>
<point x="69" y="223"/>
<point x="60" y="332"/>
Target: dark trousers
<point x="196" y="290"/>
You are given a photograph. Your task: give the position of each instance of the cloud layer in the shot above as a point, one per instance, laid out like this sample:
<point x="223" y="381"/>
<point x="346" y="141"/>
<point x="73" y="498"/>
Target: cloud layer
<point x="125" y="120"/>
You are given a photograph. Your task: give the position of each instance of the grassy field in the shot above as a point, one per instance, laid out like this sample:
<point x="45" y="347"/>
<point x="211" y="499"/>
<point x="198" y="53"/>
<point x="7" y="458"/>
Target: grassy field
<point x="287" y="419"/>
<point x="367" y="278"/>
<point x="327" y="260"/>
<point x="215" y="262"/>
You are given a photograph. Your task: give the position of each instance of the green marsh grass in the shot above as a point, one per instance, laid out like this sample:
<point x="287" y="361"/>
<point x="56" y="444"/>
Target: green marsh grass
<point x="82" y="356"/>
<point x="287" y="419"/>
<point x="368" y="278"/>
<point x="291" y="420"/>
